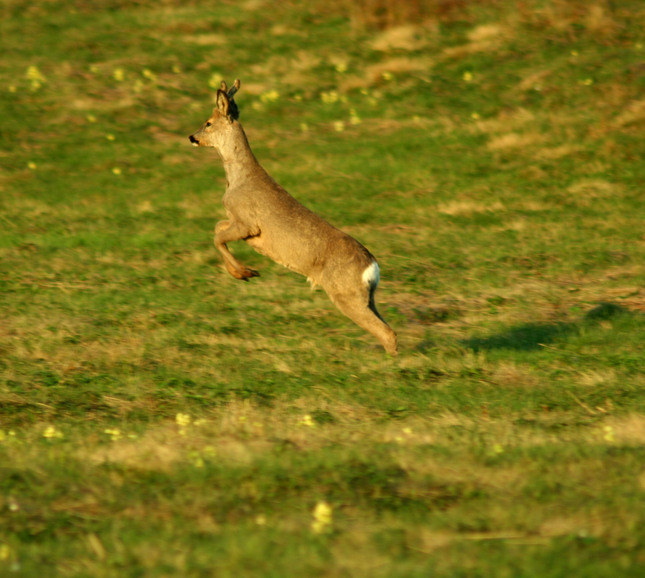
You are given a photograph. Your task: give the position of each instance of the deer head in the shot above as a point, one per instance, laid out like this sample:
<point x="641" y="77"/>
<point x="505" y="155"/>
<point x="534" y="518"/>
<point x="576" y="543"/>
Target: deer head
<point x="224" y="113"/>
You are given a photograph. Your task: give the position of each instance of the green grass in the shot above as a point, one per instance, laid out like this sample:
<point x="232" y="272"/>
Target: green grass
<point x="158" y="418"/>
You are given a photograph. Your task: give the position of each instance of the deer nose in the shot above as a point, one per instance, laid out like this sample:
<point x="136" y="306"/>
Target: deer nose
<point x="193" y="139"/>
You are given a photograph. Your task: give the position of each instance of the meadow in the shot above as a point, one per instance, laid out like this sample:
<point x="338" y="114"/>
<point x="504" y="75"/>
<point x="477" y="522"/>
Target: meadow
<point x="159" y="418"/>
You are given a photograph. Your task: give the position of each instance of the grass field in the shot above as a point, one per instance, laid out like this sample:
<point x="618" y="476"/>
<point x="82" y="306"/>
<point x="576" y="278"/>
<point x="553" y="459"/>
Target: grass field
<point x="159" y="418"/>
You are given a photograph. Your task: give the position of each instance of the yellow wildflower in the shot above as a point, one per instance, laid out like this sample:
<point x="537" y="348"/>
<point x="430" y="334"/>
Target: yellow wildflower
<point x="468" y="76"/>
<point x="406" y="434"/>
<point x="270" y="96"/>
<point x="118" y="74"/>
<point x="147" y="73"/>
<point x="323" y="518"/>
<point x="36" y="77"/>
<point x="115" y="434"/>
<point x="308" y="421"/>
<point x="196" y="459"/>
<point x="33" y="73"/>
<point x="330" y="97"/>
<point x="51" y="432"/>
<point x="183" y="419"/>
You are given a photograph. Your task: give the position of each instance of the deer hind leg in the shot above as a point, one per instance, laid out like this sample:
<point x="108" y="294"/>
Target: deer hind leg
<point x="359" y="307"/>
<point x="225" y="232"/>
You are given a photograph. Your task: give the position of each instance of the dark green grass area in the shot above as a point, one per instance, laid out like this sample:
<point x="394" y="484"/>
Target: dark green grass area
<point x="159" y="418"/>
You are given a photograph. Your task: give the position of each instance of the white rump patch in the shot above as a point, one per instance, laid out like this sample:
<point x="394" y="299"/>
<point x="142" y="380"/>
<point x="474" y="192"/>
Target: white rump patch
<point x="372" y="275"/>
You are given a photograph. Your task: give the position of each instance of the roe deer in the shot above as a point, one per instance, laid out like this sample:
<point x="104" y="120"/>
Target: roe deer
<point x="275" y="224"/>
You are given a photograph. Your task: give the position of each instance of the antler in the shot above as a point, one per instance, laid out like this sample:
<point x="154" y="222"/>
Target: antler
<point x="234" y="88"/>
<point x="230" y="93"/>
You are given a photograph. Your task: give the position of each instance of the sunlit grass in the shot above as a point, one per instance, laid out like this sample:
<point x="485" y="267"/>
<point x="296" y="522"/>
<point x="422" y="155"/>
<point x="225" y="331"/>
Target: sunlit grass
<point x="159" y="418"/>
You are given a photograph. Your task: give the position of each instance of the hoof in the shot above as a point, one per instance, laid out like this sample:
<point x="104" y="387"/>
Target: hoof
<point x="245" y="274"/>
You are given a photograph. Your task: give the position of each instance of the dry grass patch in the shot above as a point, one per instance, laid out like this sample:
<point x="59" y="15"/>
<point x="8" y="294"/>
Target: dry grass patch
<point x="295" y="71"/>
<point x="468" y="207"/>
<point x="237" y="436"/>
<point x="588" y="189"/>
<point x="510" y="374"/>
<point x="633" y="114"/>
<point x="505" y="121"/>
<point x="241" y="433"/>
<point x="555" y="153"/>
<point x="155" y="450"/>
<point x="600" y="22"/>
<point x="627" y="430"/>
<point x="514" y="141"/>
<point x="407" y="37"/>
<point x="534" y="80"/>
<point x="384" y="71"/>
<point x="564" y="16"/>
<point x="595" y="378"/>
<point x="207" y="39"/>
<point x="490" y="37"/>
<point x="579" y="524"/>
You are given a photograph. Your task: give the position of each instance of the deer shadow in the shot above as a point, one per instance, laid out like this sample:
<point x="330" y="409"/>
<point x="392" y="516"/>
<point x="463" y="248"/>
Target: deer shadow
<point x="527" y="337"/>
<point x="533" y="336"/>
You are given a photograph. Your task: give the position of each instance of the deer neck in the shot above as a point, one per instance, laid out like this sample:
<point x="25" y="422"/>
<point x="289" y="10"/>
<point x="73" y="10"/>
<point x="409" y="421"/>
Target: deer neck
<point x="237" y="156"/>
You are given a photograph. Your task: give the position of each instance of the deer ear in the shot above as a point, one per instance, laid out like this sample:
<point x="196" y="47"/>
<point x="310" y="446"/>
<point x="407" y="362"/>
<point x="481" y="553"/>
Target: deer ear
<point x="223" y="102"/>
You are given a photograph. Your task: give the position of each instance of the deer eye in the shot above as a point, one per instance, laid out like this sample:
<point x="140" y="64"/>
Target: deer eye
<point x="209" y="123"/>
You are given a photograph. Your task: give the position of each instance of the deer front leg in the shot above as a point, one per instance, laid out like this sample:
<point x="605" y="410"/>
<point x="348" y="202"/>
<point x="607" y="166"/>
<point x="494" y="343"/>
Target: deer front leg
<point x="225" y="232"/>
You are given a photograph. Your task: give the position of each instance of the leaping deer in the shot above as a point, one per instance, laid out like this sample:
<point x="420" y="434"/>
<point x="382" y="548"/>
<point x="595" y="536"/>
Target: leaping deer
<point x="275" y="224"/>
